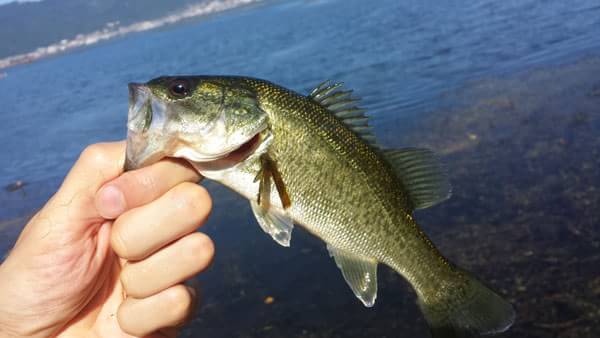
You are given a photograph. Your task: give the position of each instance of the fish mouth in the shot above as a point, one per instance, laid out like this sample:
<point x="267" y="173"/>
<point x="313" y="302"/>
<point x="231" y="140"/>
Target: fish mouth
<point x="227" y="159"/>
<point x="244" y="150"/>
<point x="234" y="157"/>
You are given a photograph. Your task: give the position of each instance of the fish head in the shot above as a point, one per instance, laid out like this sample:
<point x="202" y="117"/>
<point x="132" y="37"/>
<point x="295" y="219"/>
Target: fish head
<point x="201" y="119"/>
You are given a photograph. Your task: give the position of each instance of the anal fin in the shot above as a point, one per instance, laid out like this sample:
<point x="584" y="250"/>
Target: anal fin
<point x="359" y="272"/>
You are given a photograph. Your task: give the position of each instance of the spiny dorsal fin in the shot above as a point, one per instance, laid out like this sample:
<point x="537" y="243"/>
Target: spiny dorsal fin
<point x="422" y="175"/>
<point x="341" y="104"/>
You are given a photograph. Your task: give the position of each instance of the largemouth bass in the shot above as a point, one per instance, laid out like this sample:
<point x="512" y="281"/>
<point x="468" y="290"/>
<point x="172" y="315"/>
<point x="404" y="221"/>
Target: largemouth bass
<point x="313" y="161"/>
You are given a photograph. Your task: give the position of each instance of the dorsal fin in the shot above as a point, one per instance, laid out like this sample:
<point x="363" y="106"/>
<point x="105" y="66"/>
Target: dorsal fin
<point x="421" y="174"/>
<point x="341" y="104"/>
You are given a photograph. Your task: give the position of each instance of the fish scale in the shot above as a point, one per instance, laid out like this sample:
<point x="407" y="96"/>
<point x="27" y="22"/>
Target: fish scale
<point x="334" y="168"/>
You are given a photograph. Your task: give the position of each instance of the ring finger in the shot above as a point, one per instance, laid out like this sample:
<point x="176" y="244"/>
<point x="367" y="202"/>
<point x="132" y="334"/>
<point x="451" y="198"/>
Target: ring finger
<point x="167" y="309"/>
<point x="172" y="265"/>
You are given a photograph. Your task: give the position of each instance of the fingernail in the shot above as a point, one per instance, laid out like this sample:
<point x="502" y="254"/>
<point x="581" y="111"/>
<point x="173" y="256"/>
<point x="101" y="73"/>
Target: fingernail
<point x="111" y="202"/>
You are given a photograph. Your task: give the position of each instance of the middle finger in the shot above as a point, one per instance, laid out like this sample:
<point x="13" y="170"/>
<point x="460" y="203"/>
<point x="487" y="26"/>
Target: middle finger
<point x="140" y="232"/>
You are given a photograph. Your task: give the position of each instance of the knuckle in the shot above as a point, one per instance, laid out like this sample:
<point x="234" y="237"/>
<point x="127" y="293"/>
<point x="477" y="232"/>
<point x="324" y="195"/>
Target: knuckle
<point x="147" y="181"/>
<point x="200" y="250"/>
<point x="139" y="186"/>
<point x="96" y="155"/>
<point x="203" y="243"/>
<point x="180" y="301"/>
<point x="191" y="197"/>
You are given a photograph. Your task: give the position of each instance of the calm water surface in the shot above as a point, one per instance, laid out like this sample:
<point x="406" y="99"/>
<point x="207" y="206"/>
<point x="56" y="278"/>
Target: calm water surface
<point x="506" y="91"/>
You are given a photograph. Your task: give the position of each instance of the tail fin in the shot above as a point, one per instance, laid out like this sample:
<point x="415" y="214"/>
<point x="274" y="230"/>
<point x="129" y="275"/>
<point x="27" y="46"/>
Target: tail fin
<point x="470" y="310"/>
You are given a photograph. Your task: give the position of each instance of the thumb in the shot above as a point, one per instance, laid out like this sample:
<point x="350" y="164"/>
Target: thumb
<point x="97" y="164"/>
<point x="59" y="262"/>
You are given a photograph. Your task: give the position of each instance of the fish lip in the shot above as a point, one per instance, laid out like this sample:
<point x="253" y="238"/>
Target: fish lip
<point x="137" y="91"/>
<point x="140" y="104"/>
<point x="133" y="89"/>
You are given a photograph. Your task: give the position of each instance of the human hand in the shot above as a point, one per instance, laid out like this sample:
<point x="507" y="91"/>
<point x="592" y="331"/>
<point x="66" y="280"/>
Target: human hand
<point x="108" y="253"/>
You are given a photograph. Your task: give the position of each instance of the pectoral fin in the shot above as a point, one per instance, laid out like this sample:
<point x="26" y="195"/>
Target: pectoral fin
<point x="359" y="272"/>
<point x="275" y="222"/>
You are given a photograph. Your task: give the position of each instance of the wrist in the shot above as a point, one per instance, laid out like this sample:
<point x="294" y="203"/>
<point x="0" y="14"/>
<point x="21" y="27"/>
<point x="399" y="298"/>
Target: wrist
<point x="17" y="320"/>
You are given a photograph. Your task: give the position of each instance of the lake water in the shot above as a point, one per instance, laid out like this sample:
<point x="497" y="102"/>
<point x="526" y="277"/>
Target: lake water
<point x="508" y="92"/>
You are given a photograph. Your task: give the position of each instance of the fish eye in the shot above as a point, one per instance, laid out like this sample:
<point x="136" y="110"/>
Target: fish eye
<point x="179" y="88"/>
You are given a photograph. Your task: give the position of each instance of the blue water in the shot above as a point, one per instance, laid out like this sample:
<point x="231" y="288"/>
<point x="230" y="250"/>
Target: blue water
<point x="398" y="55"/>
<point x="401" y="57"/>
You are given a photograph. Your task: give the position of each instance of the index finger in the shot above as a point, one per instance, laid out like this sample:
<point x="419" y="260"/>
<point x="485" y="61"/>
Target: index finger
<point x="141" y="186"/>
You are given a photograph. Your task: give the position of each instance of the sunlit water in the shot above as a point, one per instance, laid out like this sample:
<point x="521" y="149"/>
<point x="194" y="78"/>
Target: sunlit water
<point x="498" y="87"/>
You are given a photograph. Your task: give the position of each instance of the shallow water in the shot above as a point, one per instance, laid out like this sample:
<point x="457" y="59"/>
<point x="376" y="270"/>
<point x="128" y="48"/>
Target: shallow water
<point x="507" y="92"/>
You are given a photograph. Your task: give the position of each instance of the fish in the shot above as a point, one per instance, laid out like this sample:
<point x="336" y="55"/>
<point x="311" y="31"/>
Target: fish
<point x="313" y="161"/>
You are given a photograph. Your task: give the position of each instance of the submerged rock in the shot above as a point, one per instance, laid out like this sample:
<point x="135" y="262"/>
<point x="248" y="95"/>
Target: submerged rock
<point x="17" y="185"/>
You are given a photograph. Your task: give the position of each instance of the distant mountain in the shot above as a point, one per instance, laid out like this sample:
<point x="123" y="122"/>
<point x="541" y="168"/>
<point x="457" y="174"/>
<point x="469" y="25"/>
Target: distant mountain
<point x="29" y="25"/>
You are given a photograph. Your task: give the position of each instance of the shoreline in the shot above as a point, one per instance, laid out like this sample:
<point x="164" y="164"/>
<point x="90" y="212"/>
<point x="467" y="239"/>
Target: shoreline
<point x="113" y="30"/>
